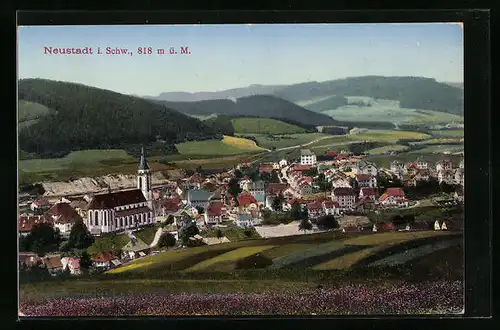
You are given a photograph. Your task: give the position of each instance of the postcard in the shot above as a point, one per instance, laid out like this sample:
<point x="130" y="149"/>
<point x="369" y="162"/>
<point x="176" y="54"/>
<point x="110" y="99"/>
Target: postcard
<point x="241" y="169"/>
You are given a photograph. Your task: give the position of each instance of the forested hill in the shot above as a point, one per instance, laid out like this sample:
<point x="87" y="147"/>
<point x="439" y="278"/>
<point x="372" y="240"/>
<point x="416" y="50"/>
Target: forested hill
<point x="91" y="118"/>
<point x="412" y="92"/>
<point x="265" y="106"/>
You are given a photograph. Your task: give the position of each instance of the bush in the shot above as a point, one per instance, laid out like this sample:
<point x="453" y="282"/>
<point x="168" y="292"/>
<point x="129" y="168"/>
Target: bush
<point x="166" y="240"/>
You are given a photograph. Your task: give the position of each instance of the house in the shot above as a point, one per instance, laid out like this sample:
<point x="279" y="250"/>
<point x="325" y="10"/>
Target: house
<point x="365" y="180"/>
<point x="247" y="220"/>
<point x="213" y="213"/>
<point x="170" y="206"/>
<point x="80" y="206"/>
<point x="370" y="193"/>
<point x="53" y="265"/>
<point x="195" y="181"/>
<point x="459" y="177"/>
<point x="446" y="176"/>
<point x="364" y="167"/>
<point x="217" y="196"/>
<point x="330" y="207"/>
<point x="246" y="200"/>
<point x="458" y="196"/>
<point x="135" y="248"/>
<point x="345" y="197"/>
<point x="364" y="204"/>
<point x="393" y="197"/>
<point x="307" y="157"/>
<point x="198" y="197"/>
<point x="444" y="165"/>
<point x="421" y="163"/>
<point x="257" y="190"/>
<point x="301" y="168"/>
<point x="29" y="259"/>
<point x="292" y="201"/>
<point x="397" y="168"/>
<point x="63" y="217"/>
<point x="72" y="265"/>
<point x="42" y="204"/>
<point x="282" y="163"/>
<point x="421" y="175"/>
<point x="26" y="223"/>
<point x="315" y="209"/>
<point x="266" y="168"/>
<point x="103" y="260"/>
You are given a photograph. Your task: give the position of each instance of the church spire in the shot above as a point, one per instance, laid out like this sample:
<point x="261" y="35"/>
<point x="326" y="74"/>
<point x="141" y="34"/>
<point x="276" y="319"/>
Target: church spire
<point x="143" y="164"/>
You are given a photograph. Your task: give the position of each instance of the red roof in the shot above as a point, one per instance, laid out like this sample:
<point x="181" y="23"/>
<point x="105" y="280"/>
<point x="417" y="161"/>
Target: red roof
<point x="395" y="192"/>
<point x="369" y="191"/>
<point x="103" y="257"/>
<point x="120" y="198"/>
<point x="386" y="227"/>
<point x="363" y="177"/>
<point x="276" y="188"/>
<point x="301" y="168"/>
<point x="26" y="223"/>
<point x="383" y="197"/>
<point x="171" y="204"/>
<point x="411" y="165"/>
<point x="341" y="157"/>
<point x="63" y="213"/>
<point x="330" y="153"/>
<point x="343" y="191"/>
<point x="362" y="201"/>
<point x="330" y="204"/>
<point x="41" y="202"/>
<point x="53" y="262"/>
<point x="215" y="209"/>
<point x="246" y="177"/>
<point x="295" y="200"/>
<point x="246" y="199"/>
<point x="316" y="205"/>
<point x="266" y="168"/>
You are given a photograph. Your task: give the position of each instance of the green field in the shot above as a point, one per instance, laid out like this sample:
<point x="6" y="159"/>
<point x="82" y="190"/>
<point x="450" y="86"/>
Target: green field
<point x="440" y="149"/>
<point x="436" y="141"/>
<point x="284" y="141"/>
<point x="225" y="147"/>
<point x="264" y="125"/>
<point x="452" y="133"/>
<point x="388" y="111"/>
<point x="307" y="251"/>
<point x="387" y="149"/>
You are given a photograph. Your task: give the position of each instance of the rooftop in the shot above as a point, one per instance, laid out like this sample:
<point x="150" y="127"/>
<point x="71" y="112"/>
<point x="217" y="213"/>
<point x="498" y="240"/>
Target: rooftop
<point x="306" y="152"/>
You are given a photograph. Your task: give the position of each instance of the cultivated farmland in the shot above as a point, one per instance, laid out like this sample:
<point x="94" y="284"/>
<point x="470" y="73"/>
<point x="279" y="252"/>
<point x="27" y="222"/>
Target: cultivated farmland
<point x="227" y="146"/>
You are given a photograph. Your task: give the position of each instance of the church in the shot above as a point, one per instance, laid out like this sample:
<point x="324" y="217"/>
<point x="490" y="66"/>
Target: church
<point x="123" y="210"/>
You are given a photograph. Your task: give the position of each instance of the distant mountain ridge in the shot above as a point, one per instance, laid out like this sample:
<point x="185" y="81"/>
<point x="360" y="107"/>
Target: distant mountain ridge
<point x="412" y="92"/>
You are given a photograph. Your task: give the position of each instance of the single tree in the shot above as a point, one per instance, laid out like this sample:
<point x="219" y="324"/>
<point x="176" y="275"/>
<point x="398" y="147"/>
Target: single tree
<point x="305" y="213"/>
<point x="305" y="225"/>
<point x="166" y="240"/>
<point x="277" y="204"/>
<point x="43" y="238"/>
<point x="328" y="222"/>
<point x="296" y="211"/>
<point x="219" y="234"/>
<point x="79" y="237"/>
<point x="200" y="210"/>
<point x="234" y="187"/>
<point x="188" y="231"/>
<point x="170" y="220"/>
<point x="238" y="174"/>
<point x="247" y="233"/>
<point x="85" y="261"/>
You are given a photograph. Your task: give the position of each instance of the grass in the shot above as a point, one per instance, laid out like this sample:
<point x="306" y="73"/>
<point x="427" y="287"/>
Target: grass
<point x="392" y="237"/>
<point x="228" y="257"/>
<point x="457" y="133"/>
<point x="227" y="146"/>
<point x="345" y="261"/>
<point x="218" y="162"/>
<point x="283" y="141"/>
<point x="147" y="234"/>
<point x="233" y="233"/>
<point x="440" y="149"/>
<point x="76" y="159"/>
<point x="387" y="149"/>
<point x="264" y="125"/>
<point x="388" y="111"/>
<point x="108" y="243"/>
<point x="438" y="141"/>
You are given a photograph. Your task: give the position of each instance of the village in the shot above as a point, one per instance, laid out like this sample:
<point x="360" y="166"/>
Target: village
<point x="314" y="193"/>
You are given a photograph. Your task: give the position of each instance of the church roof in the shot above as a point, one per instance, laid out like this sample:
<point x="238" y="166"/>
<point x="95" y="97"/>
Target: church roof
<point x="119" y="198"/>
<point x="143" y="164"/>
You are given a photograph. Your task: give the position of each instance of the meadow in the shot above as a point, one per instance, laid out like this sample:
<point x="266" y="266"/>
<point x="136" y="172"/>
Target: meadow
<point x="284" y="141"/>
<point x="264" y="125"/>
<point x="451" y="133"/>
<point x="387" y="149"/>
<point x="388" y="111"/>
<point x="227" y="146"/>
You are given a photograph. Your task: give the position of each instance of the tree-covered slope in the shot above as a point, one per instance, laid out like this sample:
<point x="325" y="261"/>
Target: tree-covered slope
<point x="264" y="106"/>
<point x="86" y="117"/>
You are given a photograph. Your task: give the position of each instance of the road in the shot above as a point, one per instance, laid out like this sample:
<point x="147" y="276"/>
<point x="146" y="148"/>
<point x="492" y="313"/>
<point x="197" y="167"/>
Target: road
<point x="305" y="144"/>
<point x="157" y="237"/>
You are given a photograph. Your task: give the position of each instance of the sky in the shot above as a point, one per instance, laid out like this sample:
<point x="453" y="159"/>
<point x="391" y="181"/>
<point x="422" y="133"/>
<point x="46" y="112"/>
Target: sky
<point x="231" y="56"/>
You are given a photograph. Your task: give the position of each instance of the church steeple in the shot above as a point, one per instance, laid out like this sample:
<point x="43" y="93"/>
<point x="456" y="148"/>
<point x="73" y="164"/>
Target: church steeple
<point x="143" y="164"/>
